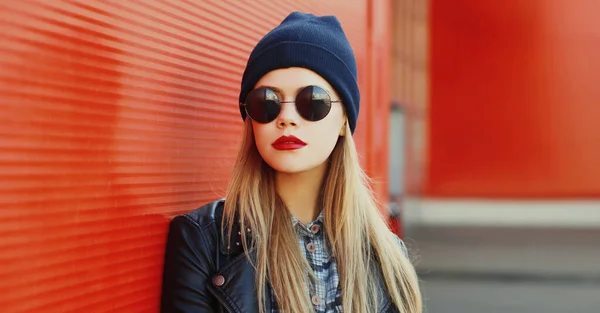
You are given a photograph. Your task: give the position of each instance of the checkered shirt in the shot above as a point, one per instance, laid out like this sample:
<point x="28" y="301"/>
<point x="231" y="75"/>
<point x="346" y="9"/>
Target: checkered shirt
<point x="325" y="294"/>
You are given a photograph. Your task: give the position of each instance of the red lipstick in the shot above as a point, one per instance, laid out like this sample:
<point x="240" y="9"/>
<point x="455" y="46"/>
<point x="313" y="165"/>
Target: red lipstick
<point x="288" y="143"/>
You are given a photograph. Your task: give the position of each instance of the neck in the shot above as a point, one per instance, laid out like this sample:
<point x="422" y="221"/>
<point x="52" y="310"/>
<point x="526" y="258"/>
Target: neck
<point x="300" y="191"/>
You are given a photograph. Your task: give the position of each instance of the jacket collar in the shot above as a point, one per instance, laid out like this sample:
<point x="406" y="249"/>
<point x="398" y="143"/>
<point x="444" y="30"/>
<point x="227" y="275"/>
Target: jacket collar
<point x="238" y="292"/>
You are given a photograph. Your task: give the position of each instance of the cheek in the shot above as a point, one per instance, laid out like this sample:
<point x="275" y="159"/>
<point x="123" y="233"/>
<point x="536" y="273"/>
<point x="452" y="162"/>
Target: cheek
<point x="325" y="134"/>
<point x="323" y="148"/>
<point x="261" y="137"/>
<point x="335" y="121"/>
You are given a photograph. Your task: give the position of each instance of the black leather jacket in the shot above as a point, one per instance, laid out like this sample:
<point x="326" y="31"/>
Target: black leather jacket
<point x="202" y="275"/>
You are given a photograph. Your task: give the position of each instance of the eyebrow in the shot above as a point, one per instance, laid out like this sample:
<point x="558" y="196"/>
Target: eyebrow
<point x="278" y="90"/>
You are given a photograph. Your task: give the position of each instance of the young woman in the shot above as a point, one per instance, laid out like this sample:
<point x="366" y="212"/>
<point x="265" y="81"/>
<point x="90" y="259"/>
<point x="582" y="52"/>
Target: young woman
<point x="298" y="230"/>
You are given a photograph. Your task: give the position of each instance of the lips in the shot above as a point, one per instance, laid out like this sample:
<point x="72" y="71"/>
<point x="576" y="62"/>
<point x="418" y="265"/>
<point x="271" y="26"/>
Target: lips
<point x="288" y="143"/>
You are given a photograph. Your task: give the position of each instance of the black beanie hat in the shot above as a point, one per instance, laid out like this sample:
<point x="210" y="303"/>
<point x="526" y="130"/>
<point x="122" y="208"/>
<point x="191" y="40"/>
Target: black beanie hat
<point x="316" y="43"/>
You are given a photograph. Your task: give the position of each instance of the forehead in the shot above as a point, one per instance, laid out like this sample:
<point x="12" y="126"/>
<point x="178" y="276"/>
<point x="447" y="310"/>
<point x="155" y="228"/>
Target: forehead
<point x="289" y="80"/>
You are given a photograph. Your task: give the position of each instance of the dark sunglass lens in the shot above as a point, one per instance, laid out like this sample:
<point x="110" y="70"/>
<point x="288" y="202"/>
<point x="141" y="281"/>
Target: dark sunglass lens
<point x="262" y="105"/>
<point x="313" y="103"/>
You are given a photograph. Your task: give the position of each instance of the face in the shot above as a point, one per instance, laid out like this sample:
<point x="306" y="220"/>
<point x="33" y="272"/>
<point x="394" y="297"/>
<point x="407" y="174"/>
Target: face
<point x="317" y="138"/>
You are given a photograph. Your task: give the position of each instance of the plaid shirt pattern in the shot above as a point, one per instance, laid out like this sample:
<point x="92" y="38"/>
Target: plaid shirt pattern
<point x="324" y="293"/>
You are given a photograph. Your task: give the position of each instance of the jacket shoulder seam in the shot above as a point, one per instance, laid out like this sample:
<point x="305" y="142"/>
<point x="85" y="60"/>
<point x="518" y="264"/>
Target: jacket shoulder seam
<point x="201" y="226"/>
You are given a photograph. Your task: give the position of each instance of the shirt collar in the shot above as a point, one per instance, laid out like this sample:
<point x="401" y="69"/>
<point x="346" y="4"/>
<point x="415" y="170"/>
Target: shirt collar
<point x="319" y="219"/>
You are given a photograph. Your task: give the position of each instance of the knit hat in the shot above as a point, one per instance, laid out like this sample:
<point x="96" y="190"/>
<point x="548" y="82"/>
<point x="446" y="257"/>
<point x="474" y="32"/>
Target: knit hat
<point x="316" y="43"/>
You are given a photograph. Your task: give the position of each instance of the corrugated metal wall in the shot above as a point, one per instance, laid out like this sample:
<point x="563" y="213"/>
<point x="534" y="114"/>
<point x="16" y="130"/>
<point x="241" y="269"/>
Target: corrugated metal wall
<point x="117" y="115"/>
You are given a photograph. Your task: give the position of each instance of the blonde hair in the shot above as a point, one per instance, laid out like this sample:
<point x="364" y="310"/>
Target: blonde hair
<point x="358" y="235"/>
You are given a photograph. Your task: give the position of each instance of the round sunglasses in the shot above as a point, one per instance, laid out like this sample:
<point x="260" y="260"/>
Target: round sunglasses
<point x="263" y="105"/>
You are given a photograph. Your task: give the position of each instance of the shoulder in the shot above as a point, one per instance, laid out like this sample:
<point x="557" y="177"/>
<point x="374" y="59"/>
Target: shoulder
<point x="401" y="244"/>
<point x="205" y="215"/>
<point x="197" y="229"/>
<point x="204" y="225"/>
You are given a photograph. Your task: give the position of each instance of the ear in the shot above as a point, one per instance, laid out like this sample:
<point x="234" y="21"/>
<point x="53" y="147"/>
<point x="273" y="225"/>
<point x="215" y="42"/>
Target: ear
<point x="343" y="130"/>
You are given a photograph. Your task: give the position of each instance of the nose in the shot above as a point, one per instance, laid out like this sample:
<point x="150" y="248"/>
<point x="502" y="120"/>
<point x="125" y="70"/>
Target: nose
<point x="288" y="117"/>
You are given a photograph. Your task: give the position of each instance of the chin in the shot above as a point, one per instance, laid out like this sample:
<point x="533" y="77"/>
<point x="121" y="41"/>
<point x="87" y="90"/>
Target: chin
<point x="287" y="168"/>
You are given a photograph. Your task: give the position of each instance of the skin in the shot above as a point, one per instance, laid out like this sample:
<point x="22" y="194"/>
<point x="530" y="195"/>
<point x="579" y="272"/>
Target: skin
<point x="299" y="173"/>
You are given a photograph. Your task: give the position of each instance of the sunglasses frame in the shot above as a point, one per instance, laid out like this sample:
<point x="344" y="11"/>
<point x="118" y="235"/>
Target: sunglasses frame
<point x="244" y="105"/>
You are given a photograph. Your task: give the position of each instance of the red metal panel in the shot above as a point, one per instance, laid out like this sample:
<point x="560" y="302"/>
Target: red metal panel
<point x="514" y="99"/>
<point x="115" y="116"/>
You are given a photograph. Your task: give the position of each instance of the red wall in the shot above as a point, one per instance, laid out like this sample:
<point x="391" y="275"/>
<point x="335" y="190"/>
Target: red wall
<point x="118" y="115"/>
<point x="515" y="103"/>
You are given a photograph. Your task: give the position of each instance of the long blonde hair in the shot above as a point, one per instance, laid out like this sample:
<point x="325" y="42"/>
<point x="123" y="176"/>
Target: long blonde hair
<point x="358" y="235"/>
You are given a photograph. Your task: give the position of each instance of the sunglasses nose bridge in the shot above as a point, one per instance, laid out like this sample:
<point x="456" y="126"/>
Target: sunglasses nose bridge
<point x="288" y="115"/>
